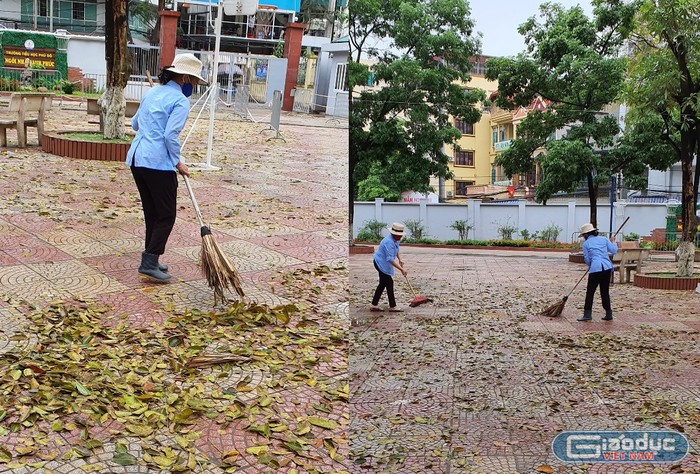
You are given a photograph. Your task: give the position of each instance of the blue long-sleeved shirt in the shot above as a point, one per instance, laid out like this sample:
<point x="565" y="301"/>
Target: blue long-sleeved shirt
<point x="386" y="253"/>
<point x="595" y="253"/>
<point x="158" y="123"/>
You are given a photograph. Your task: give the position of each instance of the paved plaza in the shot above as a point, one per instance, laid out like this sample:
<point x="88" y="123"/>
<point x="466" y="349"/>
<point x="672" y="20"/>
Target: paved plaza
<point x="477" y="382"/>
<point x="97" y="368"/>
<point x="72" y="235"/>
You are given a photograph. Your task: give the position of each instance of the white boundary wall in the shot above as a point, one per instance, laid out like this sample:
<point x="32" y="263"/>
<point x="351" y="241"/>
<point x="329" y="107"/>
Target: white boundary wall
<point x="486" y="218"/>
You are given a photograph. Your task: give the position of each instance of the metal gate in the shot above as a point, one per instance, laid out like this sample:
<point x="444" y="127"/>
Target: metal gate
<point x="235" y="70"/>
<point x="144" y="58"/>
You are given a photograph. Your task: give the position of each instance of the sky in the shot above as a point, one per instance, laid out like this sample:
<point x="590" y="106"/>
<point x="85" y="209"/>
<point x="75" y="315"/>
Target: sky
<point x="498" y="20"/>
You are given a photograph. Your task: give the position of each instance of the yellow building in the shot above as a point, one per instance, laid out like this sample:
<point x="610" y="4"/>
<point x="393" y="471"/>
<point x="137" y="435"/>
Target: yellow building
<point x="470" y="159"/>
<point x="504" y="129"/>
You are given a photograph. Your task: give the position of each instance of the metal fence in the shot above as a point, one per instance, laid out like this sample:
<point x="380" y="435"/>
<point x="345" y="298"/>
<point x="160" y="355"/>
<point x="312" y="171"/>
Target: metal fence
<point x="17" y="79"/>
<point x="670" y="242"/>
<point x="234" y="70"/>
<point x="144" y="58"/>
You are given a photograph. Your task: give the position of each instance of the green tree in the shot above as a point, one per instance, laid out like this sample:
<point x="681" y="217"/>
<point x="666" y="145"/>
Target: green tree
<point x="664" y="81"/>
<point x="146" y="12"/>
<point x="374" y="187"/>
<point x="573" y="62"/>
<point x="403" y="124"/>
<point x="642" y="147"/>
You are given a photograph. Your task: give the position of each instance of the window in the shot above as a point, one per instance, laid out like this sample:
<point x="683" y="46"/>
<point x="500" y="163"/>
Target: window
<point x="341" y="77"/>
<point x="78" y="11"/>
<point x="461" y="187"/>
<point x="465" y="127"/>
<point x="501" y="134"/>
<point x="464" y="158"/>
<point x="43" y="7"/>
<point x="478" y="68"/>
<point x="494" y="135"/>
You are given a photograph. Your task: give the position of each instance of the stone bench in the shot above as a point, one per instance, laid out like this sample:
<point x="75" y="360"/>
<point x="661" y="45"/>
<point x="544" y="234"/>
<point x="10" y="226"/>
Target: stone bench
<point x="22" y="112"/>
<point x="93" y="108"/>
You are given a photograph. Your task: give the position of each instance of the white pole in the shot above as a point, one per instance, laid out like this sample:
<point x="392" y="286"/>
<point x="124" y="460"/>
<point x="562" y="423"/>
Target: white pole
<point x="214" y="94"/>
<point x="51" y="16"/>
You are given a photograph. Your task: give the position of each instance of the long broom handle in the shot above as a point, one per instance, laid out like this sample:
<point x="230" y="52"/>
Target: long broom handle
<point x="620" y="228"/>
<point x="409" y="285"/>
<point x="194" y="201"/>
<point x="577" y="283"/>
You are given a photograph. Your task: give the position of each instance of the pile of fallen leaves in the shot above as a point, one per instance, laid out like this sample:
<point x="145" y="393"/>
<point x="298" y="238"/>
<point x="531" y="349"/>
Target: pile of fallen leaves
<point x="94" y="379"/>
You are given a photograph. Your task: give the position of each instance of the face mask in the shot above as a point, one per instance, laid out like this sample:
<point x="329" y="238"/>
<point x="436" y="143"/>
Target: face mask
<point x="187" y="89"/>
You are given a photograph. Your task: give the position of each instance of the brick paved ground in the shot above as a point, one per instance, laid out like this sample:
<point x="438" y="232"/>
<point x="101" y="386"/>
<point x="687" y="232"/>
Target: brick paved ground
<point x="73" y="230"/>
<point x="477" y="382"/>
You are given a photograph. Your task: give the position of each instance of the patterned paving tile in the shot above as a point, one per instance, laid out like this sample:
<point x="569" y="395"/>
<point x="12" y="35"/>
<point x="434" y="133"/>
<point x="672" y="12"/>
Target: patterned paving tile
<point x="89" y="236"/>
<point x="113" y="263"/>
<point x="85" y="286"/>
<point x="18" y="275"/>
<point x="318" y="252"/>
<point x="37" y="293"/>
<point x="37" y="253"/>
<point x="88" y="249"/>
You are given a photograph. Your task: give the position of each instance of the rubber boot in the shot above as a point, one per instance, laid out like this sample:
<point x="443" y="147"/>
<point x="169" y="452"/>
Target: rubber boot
<point x="608" y="315"/>
<point x="162" y="267"/>
<point x="587" y="315"/>
<point x="149" y="267"/>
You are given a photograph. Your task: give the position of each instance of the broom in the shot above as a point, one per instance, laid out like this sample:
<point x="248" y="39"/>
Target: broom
<point x="556" y="309"/>
<point x="417" y="300"/>
<point x="218" y="270"/>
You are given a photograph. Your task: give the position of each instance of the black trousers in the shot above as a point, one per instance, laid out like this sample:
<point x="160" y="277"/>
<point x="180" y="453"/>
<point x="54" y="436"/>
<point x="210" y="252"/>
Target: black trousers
<point x="596" y="279"/>
<point x="158" y="191"/>
<point x="385" y="281"/>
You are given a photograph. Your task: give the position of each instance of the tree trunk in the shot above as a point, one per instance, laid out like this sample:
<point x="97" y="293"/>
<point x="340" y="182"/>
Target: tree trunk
<point x="593" y="200"/>
<point x="686" y="249"/>
<point x="351" y="198"/>
<point x="112" y="102"/>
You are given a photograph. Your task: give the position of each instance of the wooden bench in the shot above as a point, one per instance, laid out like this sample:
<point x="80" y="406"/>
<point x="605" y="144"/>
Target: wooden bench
<point x="628" y="260"/>
<point x="93" y="108"/>
<point x="24" y="111"/>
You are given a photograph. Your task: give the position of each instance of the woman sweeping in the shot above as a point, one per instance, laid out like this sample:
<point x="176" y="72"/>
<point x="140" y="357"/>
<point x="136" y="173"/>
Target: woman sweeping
<point x="595" y="254"/>
<point x="154" y="155"/>
<point x="386" y="258"/>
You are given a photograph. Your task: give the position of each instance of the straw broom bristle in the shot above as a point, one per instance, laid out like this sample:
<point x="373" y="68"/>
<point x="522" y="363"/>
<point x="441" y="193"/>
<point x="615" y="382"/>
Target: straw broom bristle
<point x="554" y="310"/>
<point x="218" y="270"/>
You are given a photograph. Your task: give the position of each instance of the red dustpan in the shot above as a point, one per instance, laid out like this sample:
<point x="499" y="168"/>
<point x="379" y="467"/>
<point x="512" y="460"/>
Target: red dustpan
<point x="417" y="300"/>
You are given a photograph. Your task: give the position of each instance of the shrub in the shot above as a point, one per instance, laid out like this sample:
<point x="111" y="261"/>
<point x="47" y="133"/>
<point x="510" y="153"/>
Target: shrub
<point x="551" y="233"/>
<point x="67" y="87"/>
<point x="509" y="243"/>
<point x="463" y="227"/>
<point x="526" y="235"/>
<point x="416" y="229"/>
<point x="422" y="240"/>
<point x="631" y="237"/>
<point x="371" y="231"/>
<point x="483" y="243"/>
<point x="506" y="230"/>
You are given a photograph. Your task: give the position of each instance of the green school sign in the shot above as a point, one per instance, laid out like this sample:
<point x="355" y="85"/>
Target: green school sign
<point x="20" y="49"/>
